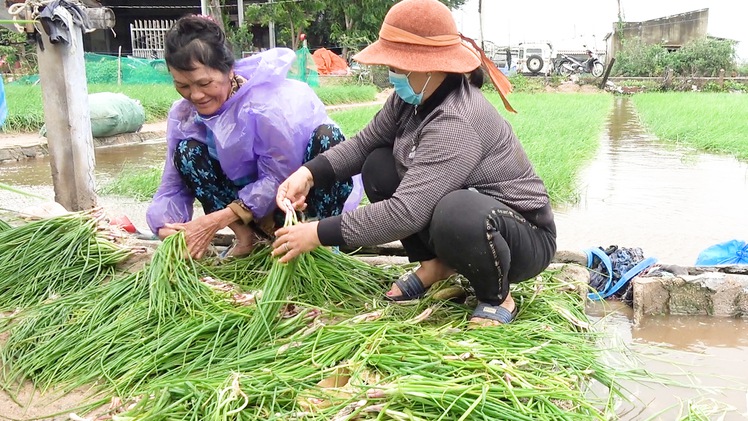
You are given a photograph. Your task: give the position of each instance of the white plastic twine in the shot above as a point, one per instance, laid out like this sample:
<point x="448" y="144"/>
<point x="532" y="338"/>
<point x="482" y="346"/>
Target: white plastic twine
<point x="291" y="217"/>
<point x="29" y="10"/>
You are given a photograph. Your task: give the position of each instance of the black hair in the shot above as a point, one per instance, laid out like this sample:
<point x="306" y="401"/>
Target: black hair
<point x="197" y="39"/>
<point x="477" y="77"/>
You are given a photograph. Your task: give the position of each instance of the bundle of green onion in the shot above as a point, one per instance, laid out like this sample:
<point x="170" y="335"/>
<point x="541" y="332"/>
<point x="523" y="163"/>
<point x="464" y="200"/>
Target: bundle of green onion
<point x="409" y="363"/>
<point x="54" y="257"/>
<point x="275" y="293"/>
<point x="316" y="344"/>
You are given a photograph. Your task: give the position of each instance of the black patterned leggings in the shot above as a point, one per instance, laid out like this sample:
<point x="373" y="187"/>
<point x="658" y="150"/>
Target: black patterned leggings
<point x="483" y="239"/>
<point x="203" y="176"/>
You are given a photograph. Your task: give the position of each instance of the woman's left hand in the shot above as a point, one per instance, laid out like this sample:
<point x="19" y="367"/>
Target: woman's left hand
<point x="291" y="241"/>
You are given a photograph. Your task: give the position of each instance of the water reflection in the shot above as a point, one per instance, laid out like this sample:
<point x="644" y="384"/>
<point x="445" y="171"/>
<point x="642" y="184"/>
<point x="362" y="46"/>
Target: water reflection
<point x="109" y="163"/>
<point x="690" y="360"/>
<point x="668" y="200"/>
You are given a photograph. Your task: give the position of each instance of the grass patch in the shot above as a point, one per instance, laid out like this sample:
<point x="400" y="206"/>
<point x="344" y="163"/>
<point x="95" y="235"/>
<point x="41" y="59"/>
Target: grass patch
<point x="351" y="121"/>
<point x="138" y="183"/>
<point x="690" y="119"/>
<point x="346" y="94"/>
<point x="560" y="133"/>
<point x="26" y="113"/>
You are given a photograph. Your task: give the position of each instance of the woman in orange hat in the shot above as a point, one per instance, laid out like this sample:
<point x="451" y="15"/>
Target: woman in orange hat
<point x="443" y="170"/>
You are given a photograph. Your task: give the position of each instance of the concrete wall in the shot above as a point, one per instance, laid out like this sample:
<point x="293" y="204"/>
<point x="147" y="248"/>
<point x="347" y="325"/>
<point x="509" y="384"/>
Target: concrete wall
<point x="712" y="291"/>
<point x="671" y="31"/>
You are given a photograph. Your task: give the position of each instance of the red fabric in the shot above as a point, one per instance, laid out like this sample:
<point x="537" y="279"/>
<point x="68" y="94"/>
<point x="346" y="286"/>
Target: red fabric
<point x="329" y="63"/>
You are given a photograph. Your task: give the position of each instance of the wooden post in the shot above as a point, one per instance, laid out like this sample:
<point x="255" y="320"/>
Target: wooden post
<point x="62" y="73"/>
<point x="607" y="73"/>
<point x="668" y="82"/>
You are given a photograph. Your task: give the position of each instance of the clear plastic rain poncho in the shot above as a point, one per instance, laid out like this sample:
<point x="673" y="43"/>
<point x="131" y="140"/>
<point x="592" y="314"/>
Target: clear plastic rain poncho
<point x="261" y="134"/>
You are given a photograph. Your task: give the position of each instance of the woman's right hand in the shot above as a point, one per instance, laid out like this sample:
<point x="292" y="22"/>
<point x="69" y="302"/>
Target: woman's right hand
<point x="295" y="188"/>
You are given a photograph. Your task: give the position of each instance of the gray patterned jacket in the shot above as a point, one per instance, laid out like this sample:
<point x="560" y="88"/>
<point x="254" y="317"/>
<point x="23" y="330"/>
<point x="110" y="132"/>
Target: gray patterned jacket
<point x="458" y="143"/>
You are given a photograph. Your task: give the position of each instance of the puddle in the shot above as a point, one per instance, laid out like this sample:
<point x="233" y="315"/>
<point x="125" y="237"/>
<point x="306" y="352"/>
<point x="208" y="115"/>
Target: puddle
<point x="669" y="201"/>
<point x="109" y="163"/>
<point x="696" y="360"/>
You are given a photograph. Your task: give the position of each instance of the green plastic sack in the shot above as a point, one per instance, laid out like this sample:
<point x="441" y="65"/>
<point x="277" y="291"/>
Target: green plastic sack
<point x="112" y="114"/>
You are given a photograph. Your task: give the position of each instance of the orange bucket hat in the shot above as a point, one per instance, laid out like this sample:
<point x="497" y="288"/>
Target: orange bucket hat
<point x="421" y="36"/>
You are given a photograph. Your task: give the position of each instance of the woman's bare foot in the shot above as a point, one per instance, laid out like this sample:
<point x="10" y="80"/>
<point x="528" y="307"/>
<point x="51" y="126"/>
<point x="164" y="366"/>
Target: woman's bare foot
<point x="240" y="250"/>
<point x="429" y="272"/>
<point x="244" y="241"/>
<point x="508" y="304"/>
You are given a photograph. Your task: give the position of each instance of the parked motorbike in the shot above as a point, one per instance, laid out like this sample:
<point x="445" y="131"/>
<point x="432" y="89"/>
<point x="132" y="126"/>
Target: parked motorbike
<point x="567" y="65"/>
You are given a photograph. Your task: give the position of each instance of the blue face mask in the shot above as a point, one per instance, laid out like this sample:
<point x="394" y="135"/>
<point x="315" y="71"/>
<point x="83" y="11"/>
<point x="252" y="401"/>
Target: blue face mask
<point x="403" y="89"/>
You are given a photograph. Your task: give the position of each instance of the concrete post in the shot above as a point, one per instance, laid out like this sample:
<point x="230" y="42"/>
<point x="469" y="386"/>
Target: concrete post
<point x="271" y="32"/>
<point x="62" y="73"/>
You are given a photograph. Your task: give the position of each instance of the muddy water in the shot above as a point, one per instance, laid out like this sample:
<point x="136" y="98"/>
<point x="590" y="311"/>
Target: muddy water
<point x="34" y="176"/>
<point x="695" y="360"/>
<point x="670" y="201"/>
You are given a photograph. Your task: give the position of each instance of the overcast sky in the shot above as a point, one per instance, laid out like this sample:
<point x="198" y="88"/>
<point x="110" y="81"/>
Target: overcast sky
<point x="572" y="23"/>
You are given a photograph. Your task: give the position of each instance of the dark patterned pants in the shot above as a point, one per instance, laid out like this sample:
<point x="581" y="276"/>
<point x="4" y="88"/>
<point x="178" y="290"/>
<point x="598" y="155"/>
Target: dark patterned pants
<point x="203" y="176"/>
<point x="483" y="239"/>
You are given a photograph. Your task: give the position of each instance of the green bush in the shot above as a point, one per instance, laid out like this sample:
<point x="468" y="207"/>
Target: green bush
<point x="16" y="50"/>
<point x="705" y="57"/>
<point x="742" y="69"/>
<point x="637" y="59"/>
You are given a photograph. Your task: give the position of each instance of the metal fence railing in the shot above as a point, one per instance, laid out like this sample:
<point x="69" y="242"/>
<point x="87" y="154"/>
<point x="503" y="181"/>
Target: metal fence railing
<point x="148" y="38"/>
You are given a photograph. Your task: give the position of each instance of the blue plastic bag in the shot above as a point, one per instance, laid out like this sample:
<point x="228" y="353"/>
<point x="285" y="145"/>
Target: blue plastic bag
<point x="733" y="252"/>
<point x="3" y="104"/>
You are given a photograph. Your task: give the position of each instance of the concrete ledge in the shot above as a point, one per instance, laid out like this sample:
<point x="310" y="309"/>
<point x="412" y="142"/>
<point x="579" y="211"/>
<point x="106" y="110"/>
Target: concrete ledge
<point x="18" y="152"/>
<point x="712" y="293"/>
<point x="129" y="138"/>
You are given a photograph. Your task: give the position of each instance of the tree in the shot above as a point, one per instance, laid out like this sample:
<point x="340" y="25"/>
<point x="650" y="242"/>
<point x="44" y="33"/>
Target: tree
<point x="214" y="10"/>
<point x="351" y="24"/>
<point x="291" y="17"/>
<point x="355" y="24"/>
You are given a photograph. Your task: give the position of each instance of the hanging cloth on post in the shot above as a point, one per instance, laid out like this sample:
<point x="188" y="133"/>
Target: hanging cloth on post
<point x="59" y="18"/>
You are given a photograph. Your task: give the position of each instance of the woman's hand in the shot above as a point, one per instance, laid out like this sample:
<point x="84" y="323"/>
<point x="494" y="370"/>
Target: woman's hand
<point x="291" y="241"/>
<point x="164" y="232"/>
<point x="295" y="189"/>
<point x="199" y="232"/>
